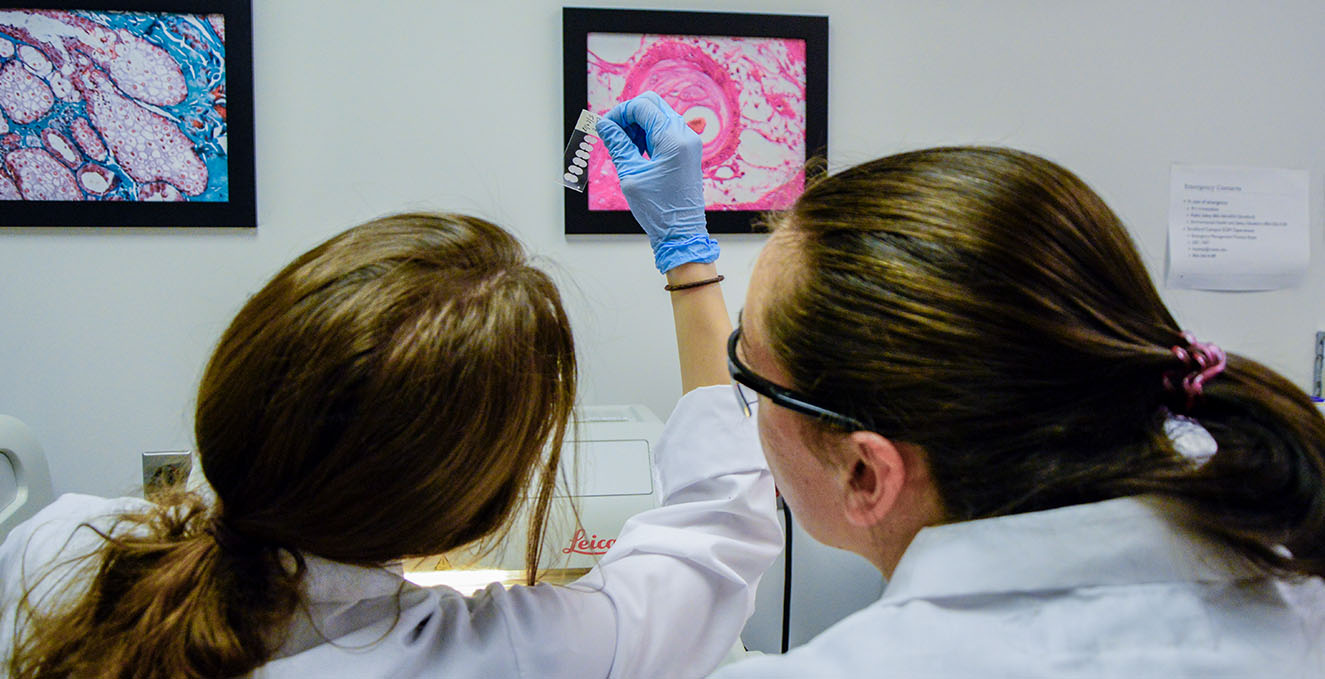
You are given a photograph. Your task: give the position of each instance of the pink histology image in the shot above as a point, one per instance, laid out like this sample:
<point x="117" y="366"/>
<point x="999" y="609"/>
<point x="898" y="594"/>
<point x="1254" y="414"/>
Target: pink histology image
<point x="744" y="96"/>
<point x="113" y="106"/>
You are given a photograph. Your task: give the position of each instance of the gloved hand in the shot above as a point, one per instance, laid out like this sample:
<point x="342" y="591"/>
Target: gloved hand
<point x="665" y="190"/>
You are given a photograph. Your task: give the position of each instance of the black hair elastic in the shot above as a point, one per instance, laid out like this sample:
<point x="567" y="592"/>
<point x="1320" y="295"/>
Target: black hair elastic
<point x="694" y="284"/>
<point x="232" y="542"/>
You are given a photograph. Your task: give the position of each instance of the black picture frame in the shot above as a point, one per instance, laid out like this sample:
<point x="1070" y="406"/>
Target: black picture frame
<point x="578" y="23"/>
<point x="240" y="207"/>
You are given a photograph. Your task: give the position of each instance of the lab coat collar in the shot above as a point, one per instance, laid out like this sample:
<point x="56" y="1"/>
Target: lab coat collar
<point x="327" y="581"/>
<point x="1124" y="541"/>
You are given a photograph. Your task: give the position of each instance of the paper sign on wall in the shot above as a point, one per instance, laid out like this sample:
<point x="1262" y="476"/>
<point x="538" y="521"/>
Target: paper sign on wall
<point x="1237" y="228"/>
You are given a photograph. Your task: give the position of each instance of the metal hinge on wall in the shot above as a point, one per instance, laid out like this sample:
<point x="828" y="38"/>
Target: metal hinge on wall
<point x="1320" y="357"/>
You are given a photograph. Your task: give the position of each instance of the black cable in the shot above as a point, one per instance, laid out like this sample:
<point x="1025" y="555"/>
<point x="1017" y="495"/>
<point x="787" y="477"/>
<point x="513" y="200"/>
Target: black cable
<point x="786" y="578"/>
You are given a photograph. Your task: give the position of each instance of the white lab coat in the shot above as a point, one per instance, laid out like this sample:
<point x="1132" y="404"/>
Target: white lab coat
<point x="668" y="599"/>
<point x="1112" y="589"/>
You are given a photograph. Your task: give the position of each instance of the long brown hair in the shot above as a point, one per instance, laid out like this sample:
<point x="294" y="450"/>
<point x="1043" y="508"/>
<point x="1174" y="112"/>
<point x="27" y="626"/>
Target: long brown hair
<point x="394" y="392"/>
<point x="986" y="305"/>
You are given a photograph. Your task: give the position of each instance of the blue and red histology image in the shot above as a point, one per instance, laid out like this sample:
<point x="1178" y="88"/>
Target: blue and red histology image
<point x="124" y="106"/>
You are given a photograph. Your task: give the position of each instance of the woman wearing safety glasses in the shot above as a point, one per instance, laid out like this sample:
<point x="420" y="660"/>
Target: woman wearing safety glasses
<point x="966" y="376"/>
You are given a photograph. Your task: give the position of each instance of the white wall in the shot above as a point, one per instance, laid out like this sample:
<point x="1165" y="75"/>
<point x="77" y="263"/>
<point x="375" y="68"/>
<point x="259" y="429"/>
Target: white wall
<point x="457" y="106"/>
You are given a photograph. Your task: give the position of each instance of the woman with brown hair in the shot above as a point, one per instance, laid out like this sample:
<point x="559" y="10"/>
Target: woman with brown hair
<point x="398" y="391"/>
<point x="965" y="375"/>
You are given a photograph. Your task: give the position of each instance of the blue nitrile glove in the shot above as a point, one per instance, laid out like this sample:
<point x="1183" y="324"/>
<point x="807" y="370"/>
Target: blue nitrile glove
<point x="665" y="191"/>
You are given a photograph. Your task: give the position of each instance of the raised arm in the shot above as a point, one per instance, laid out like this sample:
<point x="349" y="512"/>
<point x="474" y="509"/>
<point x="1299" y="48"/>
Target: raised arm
<point x="666" y="196"/>
<point x="702" y="326"/>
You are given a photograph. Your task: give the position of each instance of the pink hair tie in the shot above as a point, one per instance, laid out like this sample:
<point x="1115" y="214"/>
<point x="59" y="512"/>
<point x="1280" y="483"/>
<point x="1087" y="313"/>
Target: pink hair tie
<point x="1202" y="361"/>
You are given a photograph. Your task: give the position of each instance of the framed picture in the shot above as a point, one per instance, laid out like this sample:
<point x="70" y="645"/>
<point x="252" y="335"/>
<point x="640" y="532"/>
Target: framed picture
<point x="126" y="113"/>
<point x="754" y="86"/>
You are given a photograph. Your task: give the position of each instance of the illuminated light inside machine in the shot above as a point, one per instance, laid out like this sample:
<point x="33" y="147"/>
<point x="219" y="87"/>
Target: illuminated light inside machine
<point x="464" y="581"/>
<point x="469" y="581"/>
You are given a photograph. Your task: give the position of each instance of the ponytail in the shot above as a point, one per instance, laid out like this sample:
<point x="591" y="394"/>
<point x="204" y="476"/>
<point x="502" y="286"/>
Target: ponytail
<point x="393" y="392"/>
<point x="986" y="306"/>
<point x="1264" y="490"/>
<point x="168" y="601"/>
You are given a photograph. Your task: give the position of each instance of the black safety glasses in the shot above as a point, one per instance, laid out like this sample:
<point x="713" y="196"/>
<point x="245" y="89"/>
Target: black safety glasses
<point x="743" y="379"/>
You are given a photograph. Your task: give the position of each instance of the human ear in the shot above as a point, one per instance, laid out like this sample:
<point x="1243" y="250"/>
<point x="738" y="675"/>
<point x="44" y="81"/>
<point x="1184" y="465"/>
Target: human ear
<point x="876" y="473"/>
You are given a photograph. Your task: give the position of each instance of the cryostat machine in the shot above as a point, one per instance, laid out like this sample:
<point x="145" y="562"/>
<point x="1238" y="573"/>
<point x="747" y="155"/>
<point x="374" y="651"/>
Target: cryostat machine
<point x="607" y="477"/>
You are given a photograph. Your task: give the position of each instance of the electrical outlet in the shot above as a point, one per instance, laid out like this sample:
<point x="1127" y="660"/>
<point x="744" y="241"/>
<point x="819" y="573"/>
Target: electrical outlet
<point x="165" y="470"/>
